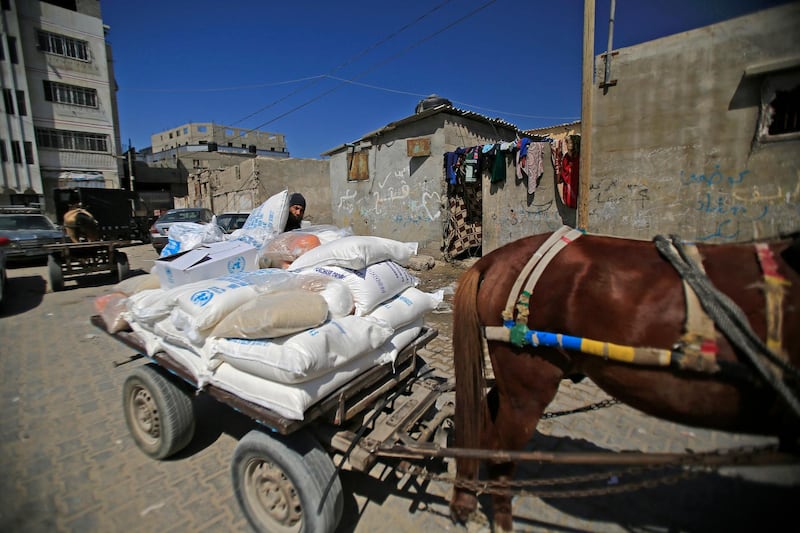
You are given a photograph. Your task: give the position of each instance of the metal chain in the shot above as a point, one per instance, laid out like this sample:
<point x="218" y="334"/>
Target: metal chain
<point x="692" y="467"/>
<point x="591" y="407"/>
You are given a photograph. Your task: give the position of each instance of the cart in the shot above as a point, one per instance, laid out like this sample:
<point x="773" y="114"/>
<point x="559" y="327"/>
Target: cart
<point x="72" y="260"/>
<point x="284" y="476"/>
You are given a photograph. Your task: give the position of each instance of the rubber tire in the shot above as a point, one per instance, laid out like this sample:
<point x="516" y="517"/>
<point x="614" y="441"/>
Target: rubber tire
<point x="123" y="267"/>
<point x="158" y="412"/>
<point x="55" y="273"/>
<point x="303" y="469"/>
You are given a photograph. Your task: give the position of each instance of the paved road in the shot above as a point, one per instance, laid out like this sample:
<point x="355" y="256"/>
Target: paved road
<point x="67" y="462"/>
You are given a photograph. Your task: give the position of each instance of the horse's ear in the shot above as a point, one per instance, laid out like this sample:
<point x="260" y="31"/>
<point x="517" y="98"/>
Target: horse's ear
<point x="792" y="254"/>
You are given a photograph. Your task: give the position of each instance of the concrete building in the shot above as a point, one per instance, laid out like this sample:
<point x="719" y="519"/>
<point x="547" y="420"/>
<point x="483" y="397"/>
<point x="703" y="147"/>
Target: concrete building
<point x="391" y="182"/>
<point x="207" y="133"/>
<point x="248" y="184"/>
<point x="698" y="133"/>
<point x="60" y="104"/>
<point x="162" y="171"/>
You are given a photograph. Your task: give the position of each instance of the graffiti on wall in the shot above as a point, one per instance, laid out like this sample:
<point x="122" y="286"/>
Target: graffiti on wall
<point x="394" y="197"/>
<point x="727" y="207"/>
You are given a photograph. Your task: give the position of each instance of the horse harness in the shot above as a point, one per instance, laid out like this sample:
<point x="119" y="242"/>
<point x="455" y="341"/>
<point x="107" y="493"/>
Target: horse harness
<point x="697" y="348"/>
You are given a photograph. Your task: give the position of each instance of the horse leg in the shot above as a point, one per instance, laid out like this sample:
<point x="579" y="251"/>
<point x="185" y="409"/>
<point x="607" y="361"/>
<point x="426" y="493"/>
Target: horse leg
<point x="72" y="234"/>
<point x="524" y="392"/>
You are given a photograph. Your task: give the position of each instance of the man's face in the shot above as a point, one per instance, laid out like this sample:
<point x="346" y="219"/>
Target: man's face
<point x="297" y="211"/>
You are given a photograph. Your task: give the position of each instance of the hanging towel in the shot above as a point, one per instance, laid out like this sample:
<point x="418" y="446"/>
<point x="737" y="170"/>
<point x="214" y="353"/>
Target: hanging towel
<point x="521" y="157"/>
<point x="534" y="165"/>
<point x="499" y="166"/>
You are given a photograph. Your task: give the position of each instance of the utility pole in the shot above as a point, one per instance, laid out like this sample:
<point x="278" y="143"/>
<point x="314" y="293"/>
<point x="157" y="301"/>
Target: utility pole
<point x="130" y="164"/>
<point x="587" y="91"/>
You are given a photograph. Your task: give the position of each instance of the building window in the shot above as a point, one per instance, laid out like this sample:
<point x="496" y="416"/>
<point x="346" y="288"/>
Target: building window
<point x="71" y="140"/>
<point x="3" y="152"/>
<point x="780" y="107"/>
<point x="8" y="99"/>
<point x="357" y="165"/>
<point x="12" y="49"/>
<point x="69" y="94"/>
<point x="23" y="109"/>
<point x="6" y="5"/>
<point x="16" y="153"/>
<point x="63" y="46"/>
<point x="29" y="152"/>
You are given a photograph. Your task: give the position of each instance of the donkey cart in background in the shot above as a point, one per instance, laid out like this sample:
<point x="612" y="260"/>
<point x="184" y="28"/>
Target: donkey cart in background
<point x="72" y="260"/>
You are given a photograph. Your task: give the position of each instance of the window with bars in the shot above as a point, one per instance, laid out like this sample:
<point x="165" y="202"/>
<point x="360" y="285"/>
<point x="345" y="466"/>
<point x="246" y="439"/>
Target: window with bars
<point x="780" y="106"/>
<point x="71" y="140"/>
<point x="69" y="94"/>
<point x="64" y="46"/>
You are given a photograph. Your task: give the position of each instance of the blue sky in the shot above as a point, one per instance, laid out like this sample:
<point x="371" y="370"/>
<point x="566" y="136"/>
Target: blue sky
<point x="324" y="73"/>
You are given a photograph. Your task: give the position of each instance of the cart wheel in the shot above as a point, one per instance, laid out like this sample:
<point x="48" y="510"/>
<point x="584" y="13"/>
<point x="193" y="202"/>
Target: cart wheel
<point x="158" y="413"/>
<point x="279" y="482"/>
<point x="123" y="268"/>
<point x="54" y="270"/>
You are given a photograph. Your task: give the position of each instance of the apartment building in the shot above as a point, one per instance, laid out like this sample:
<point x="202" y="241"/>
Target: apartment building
<point x="207" y="133"/>
<point x="60" y="110"/>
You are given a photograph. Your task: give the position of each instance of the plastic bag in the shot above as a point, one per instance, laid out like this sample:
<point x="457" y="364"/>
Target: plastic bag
<point x="185" y="236"/>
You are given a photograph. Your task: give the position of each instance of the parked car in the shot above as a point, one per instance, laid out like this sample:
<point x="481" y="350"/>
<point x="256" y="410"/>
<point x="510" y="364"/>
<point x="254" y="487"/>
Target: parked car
<point x="159" y="231"/>
<point x="3" y="278"/>
<point x="27" y="231"/>
<point x="230" y="222"/>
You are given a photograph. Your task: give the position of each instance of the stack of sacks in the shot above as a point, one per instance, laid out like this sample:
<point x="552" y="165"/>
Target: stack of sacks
<point x="284" y="339"/>
<point x="181" y="320"/>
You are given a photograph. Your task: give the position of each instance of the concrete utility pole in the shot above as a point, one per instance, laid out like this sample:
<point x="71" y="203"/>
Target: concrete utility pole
<point x="587" y="90"/>
<point x="130" y="164"/>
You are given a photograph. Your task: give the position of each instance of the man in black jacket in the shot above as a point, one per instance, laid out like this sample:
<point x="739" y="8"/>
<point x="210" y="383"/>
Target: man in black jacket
<point x="297" y="208"/>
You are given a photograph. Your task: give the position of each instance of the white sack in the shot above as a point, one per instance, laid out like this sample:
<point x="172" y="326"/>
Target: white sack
<point x="372" y="285"/>
<point x="305" y="355"/>
<point x="407" y="307"/>
<point x="356" y="252"/>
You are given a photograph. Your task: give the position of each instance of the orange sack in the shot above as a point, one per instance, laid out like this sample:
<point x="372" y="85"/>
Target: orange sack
<point x="286" y="247"/>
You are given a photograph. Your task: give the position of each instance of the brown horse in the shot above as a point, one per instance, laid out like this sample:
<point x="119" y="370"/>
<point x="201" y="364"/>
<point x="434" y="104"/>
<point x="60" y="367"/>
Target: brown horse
<point x="617" y="291"/>
<point x="81" y="224"/>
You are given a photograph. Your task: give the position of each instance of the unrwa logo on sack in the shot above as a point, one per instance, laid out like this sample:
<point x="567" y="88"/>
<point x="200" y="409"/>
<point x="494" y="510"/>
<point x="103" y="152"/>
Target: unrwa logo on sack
<point x="201" y="298"/>
<point x="236" y="264"/>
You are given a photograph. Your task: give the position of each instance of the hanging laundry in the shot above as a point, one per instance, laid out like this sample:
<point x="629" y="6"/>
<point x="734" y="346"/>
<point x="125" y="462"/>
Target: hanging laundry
<point x="570" y="167"/>
<point x="452" y="162"/>
<point x="499" y="165"/>
<point x="534" y="165"/>
<point x="472" y="169"/>
<point x="521" y="156"/>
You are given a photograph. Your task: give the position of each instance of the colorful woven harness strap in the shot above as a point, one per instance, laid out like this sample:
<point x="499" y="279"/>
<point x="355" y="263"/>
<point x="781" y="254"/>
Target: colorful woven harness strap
<point x="699" y="340"/>
<point x="774" y="290"/>
<point x="516" y="332"/>
<point x="519" y="300"/>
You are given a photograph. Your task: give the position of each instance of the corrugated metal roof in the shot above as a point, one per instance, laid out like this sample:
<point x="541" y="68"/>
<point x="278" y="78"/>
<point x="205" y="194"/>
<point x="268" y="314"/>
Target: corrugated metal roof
<point x="424" y="114"/>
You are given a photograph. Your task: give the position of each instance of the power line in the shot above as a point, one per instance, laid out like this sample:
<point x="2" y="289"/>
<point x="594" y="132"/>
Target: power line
<point x="343" y="80"/>
<point x="373" y="67"/>
<point x="316" y="79"/>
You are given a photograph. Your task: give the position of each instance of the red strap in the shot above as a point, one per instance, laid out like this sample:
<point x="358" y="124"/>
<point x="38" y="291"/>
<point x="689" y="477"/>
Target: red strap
<point x="767" y="260"/>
